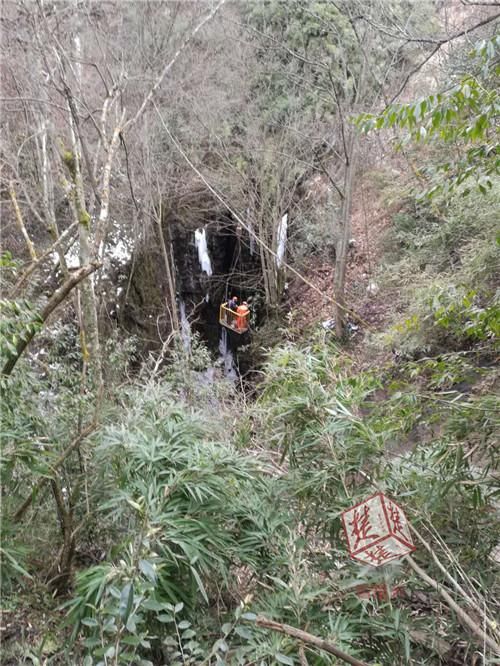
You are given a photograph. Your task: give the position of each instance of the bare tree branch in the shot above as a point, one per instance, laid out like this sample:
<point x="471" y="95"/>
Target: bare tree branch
<point x="54" y="301"/>
<point x="465" y="619"/>
<point x="34" y="264"/>
<point x="168" y="67"/>
<point x="308" y="638"/>
<point x="468" y="3"/>
<point x="20" y="222"/>
<point x="31" y="99"/>
<point x="439" y="44"/>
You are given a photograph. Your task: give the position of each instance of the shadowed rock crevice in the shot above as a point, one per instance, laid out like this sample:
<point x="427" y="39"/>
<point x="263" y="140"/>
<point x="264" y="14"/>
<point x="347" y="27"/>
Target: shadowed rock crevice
<point x="234" y="267"/>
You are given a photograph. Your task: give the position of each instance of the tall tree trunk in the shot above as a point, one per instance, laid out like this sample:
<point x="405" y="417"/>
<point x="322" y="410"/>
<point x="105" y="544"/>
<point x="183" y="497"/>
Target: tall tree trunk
<point x="20" y="223"/>
<point x="48" y="196"/>
<point x="59" y="576"/>
<point x="350" y="139"/>
<point x="343" y="244"/>
<point x="87" y="302"/>
<point x="174" y="318"/>
<point x="89" y="331"/>
<point x="264" y="264"/>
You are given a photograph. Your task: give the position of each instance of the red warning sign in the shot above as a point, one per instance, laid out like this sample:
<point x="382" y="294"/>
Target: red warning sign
<point x="377" y="531"/>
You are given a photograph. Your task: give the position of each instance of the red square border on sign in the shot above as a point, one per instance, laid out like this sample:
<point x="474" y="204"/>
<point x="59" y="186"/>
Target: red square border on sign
<point x="377" y="530"/>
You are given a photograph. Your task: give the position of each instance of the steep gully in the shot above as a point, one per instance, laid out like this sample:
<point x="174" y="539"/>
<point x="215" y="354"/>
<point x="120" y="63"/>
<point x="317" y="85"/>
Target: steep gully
<point x="212" y="258"/>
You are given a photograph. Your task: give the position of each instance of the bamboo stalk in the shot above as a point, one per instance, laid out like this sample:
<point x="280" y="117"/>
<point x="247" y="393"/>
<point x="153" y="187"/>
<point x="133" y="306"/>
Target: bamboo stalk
<point x="461" y="614"/>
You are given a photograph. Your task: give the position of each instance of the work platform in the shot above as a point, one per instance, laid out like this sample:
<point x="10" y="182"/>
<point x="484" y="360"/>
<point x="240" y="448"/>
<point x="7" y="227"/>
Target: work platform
<point x="234" y="321"/>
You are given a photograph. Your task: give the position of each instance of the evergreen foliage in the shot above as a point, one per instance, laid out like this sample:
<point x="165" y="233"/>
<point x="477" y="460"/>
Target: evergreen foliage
<point x="465" y="115"/>
<point x="159" y="514"/>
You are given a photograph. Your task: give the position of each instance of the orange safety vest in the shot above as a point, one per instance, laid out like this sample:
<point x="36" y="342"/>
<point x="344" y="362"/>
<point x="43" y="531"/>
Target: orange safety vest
<point x="242" y="321"/>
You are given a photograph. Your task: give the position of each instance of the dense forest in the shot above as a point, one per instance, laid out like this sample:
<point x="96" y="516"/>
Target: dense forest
<point x="316" y="481"/>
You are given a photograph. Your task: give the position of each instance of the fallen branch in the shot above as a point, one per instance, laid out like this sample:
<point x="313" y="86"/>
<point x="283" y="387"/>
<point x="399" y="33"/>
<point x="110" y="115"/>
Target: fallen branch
<point x="439" y="43"/>
<point x="54" y="301"/>
<point x="465" y="596"/>
<point x="309" y="639"/>
<point x="302" y="656"/>
<point x="464" y="617"/>
<point x="431" y="642"/>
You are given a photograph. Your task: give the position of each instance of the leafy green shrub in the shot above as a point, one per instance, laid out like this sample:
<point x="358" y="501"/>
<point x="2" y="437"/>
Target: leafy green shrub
<point x="447" y="318"/>
<point x="310" y="409"/>
<point x="440" y="236"/>
<point x="340" y="433"/>
<point x="183" y="510"/>
<point x="118" y="354"/>
<point x="313" y="234"/>
<point x="13" y="554"/>
<point x="17" y="318"/>
<point x="463" y="116"/>
<point x="455" y="240"/>
<point x="480" y="263"/>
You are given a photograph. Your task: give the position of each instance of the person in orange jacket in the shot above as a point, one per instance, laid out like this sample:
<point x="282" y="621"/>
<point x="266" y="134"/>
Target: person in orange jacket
<point x="242" y="321"/>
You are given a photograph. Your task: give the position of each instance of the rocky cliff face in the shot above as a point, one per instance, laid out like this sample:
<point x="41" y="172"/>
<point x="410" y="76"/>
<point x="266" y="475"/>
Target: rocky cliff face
<point x="212" y="258"/>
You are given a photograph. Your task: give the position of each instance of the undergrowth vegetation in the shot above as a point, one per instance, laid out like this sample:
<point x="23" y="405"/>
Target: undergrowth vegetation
<point x="190" y="512"/>
<point x="446" y="258"/>
<point x="167" y="515"/>
<point x="198" y="515"/>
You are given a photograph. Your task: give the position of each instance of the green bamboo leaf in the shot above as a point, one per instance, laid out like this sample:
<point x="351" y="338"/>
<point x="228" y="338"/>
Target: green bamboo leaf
<point x="243" y="632"/>
<point x="126" y="601"/>
<point x="199" y="582"/>
<point x="110" y="652"/>
<point x="249" y="616"/>
<point x="148" y="570"/>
